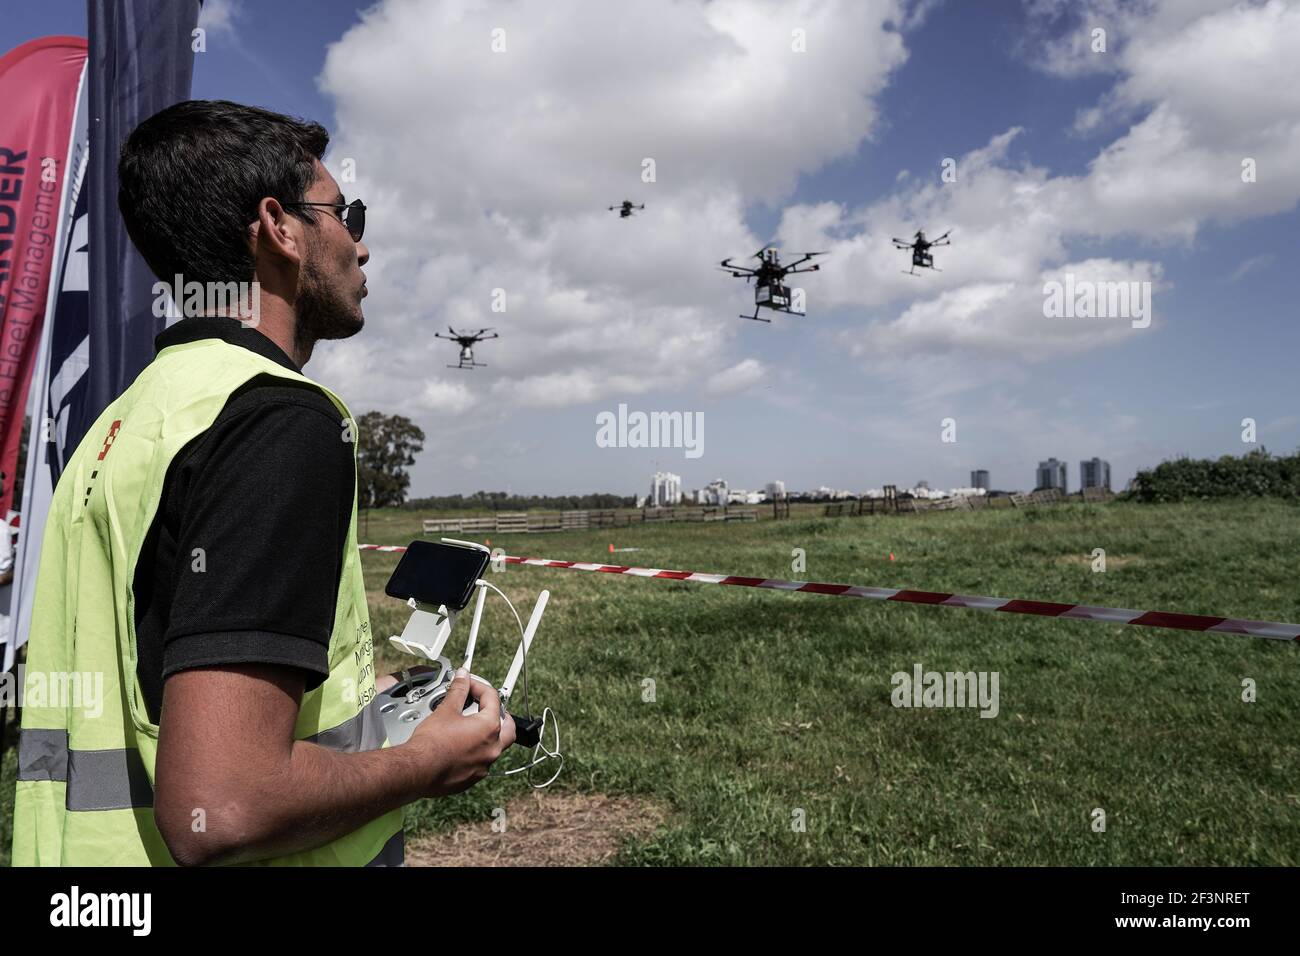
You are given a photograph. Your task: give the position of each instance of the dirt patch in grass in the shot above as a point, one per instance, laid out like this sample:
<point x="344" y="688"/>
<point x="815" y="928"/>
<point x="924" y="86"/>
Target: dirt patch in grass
<point x="554" y="829"/>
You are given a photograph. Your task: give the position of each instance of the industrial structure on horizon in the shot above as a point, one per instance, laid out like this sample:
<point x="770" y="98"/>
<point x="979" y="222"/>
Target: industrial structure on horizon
<point x="1052" y="474"/>
<point x="1094" y="474"/>
<point x="666" y="488"/>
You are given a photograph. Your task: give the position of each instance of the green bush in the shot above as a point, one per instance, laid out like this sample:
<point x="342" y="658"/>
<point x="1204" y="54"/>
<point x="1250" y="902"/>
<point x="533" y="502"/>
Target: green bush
<point x="1256" y="474"/>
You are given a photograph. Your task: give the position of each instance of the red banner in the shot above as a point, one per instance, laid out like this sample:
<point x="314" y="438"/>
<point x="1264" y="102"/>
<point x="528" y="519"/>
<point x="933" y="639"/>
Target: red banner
<point x="38" y="85"/>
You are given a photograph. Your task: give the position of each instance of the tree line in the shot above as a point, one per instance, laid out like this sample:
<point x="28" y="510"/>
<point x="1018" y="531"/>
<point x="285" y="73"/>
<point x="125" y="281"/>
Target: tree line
<point x="386" y="448"/>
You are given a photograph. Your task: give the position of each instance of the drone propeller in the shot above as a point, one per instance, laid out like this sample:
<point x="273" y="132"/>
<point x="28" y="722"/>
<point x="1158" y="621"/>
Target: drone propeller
<point x="942" y="238"/>
<point x="803" y="257"/>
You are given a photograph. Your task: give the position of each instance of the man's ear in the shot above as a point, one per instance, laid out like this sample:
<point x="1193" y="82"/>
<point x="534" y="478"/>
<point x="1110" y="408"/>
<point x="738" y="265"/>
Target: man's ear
<point x="276" y="233"/>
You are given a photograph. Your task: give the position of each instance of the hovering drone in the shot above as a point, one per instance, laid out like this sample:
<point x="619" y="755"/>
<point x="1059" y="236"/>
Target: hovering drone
<point x="467" y="340"/>
<point x="920" y="247"/>
<point x="769" y="291"/>
<point x="625" y="210"/>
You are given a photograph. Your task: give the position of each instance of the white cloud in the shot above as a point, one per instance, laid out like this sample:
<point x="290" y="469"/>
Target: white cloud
<point x="1253" y="264"/>
<point x="487" y="171"/>
<point x="492" y="171"/>
<point x="1060" y="37"/>
<point x="741" y="376"/>
<point x="1175" y="168"/>
<point x="443" y="396"/>
<point x="1007" y="318"/>
<point x="1206" y="86"/>
<point x="219" y="16"/>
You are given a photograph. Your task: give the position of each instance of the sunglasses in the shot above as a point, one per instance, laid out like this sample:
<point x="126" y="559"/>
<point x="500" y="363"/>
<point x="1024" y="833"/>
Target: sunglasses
<point x="353" y="215"/>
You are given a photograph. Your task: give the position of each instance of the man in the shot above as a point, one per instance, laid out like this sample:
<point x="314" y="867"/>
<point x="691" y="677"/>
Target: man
<point x="200" y="556"/>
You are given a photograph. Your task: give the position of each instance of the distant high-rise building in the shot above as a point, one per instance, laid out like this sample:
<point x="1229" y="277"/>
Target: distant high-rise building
<point x="1094" y="474"/>
<point x="665" y="490"/>
<point x="775" y="490"/>
<point x="1052" y="474"/>
<point x="923" y="485"/>
<point x="715" y="493"/>
<point x="979" y="479"/>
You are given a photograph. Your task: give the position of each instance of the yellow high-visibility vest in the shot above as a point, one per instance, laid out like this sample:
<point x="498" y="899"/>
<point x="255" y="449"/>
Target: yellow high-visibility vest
<point x="86" y="773"/>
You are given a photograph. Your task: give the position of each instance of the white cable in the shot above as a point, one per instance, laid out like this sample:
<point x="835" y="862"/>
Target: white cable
<point x="541" y="746"/>
<point x="546" y="713"/>
<point x="518" y="621"/>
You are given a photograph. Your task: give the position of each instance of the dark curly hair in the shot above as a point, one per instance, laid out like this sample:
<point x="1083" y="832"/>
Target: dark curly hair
<point x="190" y="179"/>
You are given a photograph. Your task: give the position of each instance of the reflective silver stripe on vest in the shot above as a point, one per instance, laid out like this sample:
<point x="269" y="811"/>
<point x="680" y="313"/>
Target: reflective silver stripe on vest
<point x="107" y="780"/>
<point x="117" y="779"/>
<point x="393" y="853"/>
<point x="96" y="779"/>
<point x="365" y="731"/>
<point x="42" y="754"/>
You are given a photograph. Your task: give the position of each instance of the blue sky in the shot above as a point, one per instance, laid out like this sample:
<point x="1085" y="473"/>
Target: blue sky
<point x="492" y="171"/>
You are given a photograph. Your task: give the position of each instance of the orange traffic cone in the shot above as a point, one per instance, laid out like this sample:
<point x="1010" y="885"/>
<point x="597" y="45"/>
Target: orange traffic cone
<point x="611" y="547"/>
<point x="891" y="556"/>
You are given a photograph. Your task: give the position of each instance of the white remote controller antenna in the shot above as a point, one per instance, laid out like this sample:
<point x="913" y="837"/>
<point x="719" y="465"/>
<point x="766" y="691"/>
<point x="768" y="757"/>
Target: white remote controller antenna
<point x="473" y="627"/>
<point x="521" y="652"/>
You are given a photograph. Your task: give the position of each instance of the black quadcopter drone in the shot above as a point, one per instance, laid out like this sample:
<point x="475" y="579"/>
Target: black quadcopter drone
<point x="466" y="340"/>
<point x="625" y="210"/>
<point x="769" y="291"/>
<point x="920" y="246"/>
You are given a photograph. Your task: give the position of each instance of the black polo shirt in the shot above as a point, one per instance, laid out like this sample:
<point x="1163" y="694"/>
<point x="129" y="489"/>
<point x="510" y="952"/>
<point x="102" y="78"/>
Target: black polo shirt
<point x="241" y="564"/>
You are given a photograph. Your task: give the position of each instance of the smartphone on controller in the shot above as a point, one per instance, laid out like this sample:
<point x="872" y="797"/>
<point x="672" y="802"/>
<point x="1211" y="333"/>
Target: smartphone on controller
<point x="435" y="573"/>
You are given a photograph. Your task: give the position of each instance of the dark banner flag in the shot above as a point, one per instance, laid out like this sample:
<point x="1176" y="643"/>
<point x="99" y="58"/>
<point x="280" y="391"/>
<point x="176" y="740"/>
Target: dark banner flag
<point x="141" y="61"/>
<point x="39" y="83"/>
<point x="101" y="325"/>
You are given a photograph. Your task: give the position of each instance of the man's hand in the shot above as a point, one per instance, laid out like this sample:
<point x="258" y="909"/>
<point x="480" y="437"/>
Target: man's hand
<point x="459" y="749"/>
<point x="232" y="785"/>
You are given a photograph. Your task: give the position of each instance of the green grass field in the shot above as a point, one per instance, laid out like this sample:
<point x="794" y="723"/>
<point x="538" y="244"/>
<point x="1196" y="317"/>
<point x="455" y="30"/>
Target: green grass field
<point x="768" y="704"/>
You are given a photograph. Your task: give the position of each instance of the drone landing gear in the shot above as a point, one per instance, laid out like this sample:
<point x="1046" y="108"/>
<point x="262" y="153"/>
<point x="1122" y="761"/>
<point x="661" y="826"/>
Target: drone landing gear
<point x="757" y="318"/>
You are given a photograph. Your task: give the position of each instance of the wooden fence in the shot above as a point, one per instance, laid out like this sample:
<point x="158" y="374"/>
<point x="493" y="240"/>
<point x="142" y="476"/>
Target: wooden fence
<point x="908" y="505"/>
<point x="521" y="522"/>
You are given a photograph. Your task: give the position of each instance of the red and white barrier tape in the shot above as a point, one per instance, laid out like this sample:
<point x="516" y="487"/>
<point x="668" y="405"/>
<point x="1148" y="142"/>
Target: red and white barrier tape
<point x="1274" y="630"/>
